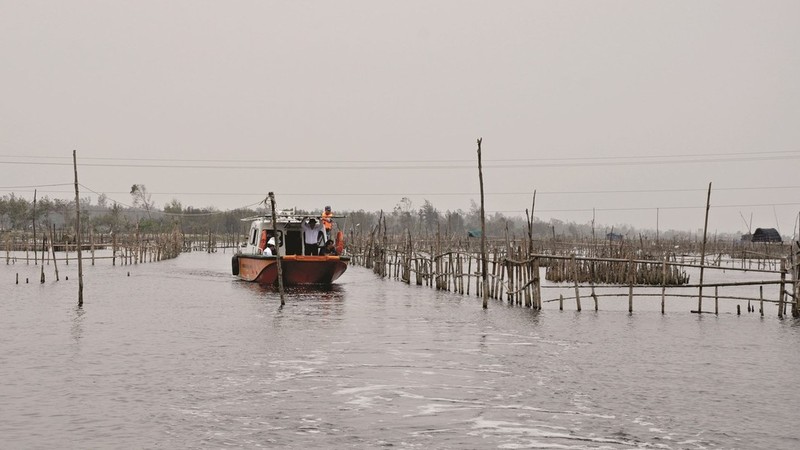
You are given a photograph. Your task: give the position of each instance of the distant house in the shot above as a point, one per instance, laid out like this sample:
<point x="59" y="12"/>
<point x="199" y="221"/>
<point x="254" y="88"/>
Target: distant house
<point x="766" y="235"/>
<point x="613" y="237"/>
<point x="474" y="233"/>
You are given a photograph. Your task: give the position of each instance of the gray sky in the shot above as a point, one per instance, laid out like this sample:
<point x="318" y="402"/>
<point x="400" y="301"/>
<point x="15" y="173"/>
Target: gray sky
<point x="627" y="107"/>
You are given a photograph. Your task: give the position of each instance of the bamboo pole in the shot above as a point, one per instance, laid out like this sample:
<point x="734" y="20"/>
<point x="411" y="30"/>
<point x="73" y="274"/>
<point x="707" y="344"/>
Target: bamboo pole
<point x="630" y="285"/>
<point x="53" y="249"/>
<point x="663" y="282"/>
<point x="44" y="247"/>
<point x="575" y="276"/>
<point x="275" y="234"/>
<point x="91" y="241"/>
<point x="796" y="275"/>
<point x="35" y="257"/>
<point x="782" y="292"/>
<point x="703" y="252"/>
<point x="483" y="231"/>
<point x="78" y="229"/>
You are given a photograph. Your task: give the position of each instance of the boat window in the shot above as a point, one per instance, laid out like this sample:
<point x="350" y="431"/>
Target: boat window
<point x="254" y="236"/>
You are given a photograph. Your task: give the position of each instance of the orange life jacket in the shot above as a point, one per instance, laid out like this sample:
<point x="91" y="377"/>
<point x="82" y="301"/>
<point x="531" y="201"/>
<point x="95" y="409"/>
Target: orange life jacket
<point x="263" y="244"/>
<point x="326" y="220"/>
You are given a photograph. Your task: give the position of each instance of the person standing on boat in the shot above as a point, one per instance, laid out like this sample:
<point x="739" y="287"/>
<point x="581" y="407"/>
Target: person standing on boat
<point x="311" y="232"/>
<point x="327" y="220"/>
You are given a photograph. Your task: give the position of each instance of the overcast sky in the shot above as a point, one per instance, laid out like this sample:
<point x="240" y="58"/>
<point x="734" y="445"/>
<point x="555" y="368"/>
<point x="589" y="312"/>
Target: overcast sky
<point x="625" y="110"/>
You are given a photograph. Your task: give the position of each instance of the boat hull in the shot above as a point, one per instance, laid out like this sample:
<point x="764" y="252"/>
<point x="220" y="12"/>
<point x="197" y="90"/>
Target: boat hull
<point x="296" y="269"/>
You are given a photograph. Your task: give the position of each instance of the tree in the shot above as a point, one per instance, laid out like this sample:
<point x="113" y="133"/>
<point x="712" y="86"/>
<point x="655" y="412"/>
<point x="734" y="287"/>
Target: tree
<point x="402" y="215"/>
<point x="173" y="207"/>
<point x="430" y="215"/>
<point x="102" y="201"/>
<point x="44" y="208"/>
<point x="141" y="199"/>
<point x="16" y="209"/>
<point x="455" y="222"/>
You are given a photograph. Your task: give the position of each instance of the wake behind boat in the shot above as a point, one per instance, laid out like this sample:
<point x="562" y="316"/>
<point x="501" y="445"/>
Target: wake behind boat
<point x="301" y="262"/>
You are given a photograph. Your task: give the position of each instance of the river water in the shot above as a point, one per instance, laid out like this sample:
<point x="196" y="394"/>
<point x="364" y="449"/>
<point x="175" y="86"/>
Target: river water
<point x="178" y="354"/>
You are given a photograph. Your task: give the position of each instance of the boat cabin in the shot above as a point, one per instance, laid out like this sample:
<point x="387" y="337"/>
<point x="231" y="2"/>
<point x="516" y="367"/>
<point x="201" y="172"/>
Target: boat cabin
<point x="289" y="238"/>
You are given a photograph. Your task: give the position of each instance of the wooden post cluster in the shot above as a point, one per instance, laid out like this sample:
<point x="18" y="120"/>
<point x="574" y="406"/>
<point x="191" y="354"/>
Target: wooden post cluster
<point x="456" y="264"/>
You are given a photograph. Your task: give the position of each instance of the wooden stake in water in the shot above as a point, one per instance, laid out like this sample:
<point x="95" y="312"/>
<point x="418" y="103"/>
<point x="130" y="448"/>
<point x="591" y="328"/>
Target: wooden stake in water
<point x="35" y="256"/>
<point x="483" y="233"/>
<point x="277" y="247"/>
<point x="53" y="249"/>
<point x="78" y="229"/>
<point x="703" y="252"/>
<point x="575" y="276"/>
<point x="631" y="275"/>
<point x="44" y="245"/>
<point x="663" y="281"/>
<point x="782" y="293"/>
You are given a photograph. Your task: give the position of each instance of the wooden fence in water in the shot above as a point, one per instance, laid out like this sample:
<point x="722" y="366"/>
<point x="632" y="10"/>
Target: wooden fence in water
<point x="125" y="249"/>
<point x="514" y="269"/>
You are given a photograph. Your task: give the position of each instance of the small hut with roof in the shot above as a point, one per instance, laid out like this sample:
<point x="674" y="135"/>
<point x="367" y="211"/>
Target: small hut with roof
<point x="766" y="235"/>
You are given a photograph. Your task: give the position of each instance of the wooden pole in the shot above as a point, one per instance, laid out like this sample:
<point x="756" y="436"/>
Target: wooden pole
<point x="53" y="249"/>
<point x="44" y="246"/>
<point x="703" y="253"/>
<point x="782" y="293"/>
<point x="630" y="283"/>
<point x="530" y="225"/>
<point x="575" y="276"/>
<point x="663" y="281"/>
<point x="91" y="239"/>
<point x="483" y="233"/>
<point x="537" y="285"/>
<point x="277" y="247"/>
<point x="796" y="276"/>
<point x="78" y="229"/>
<point x="35" y="257"/>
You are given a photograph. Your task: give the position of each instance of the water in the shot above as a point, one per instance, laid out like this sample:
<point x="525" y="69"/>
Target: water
<point x="180" y="355"/>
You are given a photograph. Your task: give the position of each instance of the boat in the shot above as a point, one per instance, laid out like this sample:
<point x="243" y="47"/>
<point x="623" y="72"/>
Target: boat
<point x="253" y="263"/>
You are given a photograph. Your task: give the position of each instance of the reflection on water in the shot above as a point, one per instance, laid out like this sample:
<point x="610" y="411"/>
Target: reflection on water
<point x="77" y="320"/>
<point x="180" y="354"/>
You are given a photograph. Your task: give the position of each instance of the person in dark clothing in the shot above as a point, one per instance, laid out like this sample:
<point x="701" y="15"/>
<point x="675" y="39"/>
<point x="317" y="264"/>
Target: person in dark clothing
<point x="329" y="249"/>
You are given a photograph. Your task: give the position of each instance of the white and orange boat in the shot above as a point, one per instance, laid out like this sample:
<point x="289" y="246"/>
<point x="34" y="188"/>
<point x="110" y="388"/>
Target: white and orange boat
<point x="251" y="263"/>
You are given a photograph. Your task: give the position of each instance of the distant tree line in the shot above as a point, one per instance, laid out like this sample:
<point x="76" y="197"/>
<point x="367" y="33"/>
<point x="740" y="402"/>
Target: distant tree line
<point x="17" y="213"/>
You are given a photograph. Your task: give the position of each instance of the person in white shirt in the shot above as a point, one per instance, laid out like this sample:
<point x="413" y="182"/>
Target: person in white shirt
<point x="311" y="232"/>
